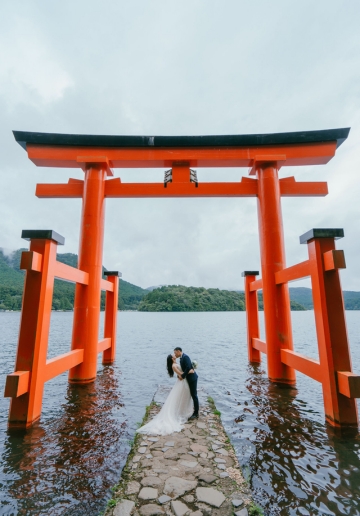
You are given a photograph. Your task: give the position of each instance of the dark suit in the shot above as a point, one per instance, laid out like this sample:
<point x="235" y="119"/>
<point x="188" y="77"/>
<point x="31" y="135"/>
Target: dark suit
<point x="192" y="379"/>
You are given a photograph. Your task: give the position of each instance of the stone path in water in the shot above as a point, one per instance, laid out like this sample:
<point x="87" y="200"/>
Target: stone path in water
<point x="193" y="472"/>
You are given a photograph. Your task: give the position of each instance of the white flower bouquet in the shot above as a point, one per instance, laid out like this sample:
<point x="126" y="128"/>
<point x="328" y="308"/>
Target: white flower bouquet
<point x="194" y="364"/>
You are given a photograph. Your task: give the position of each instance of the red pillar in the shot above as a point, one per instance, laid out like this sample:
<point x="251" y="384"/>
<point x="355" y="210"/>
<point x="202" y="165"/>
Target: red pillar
<point x="334" y="351"/>
<point x="252" y="315"/>
<point x="30" y="366"/>
<point x="87" y="299"/>
<point x="276" y="297"/>
<point x="111" y="310"/>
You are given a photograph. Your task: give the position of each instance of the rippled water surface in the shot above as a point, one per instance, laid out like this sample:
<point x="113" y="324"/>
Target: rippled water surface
<point x="66" y="464"/>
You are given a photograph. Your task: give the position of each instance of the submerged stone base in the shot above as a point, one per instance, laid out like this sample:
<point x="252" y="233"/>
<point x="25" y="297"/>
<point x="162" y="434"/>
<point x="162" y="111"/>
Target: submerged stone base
<point x="193" y="472"/>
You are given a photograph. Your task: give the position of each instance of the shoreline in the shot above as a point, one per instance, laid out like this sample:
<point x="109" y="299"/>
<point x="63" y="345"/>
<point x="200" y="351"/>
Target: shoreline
<point x="194" y="472"/>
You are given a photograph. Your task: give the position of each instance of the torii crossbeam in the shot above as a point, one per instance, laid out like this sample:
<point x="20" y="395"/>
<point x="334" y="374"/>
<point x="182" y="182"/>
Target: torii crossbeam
<point x="181" y="154"/>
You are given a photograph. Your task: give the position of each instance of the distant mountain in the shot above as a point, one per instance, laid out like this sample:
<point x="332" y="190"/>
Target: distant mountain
<point x="12" y="283"/>
<point x="154" y="287"/>
<point x="351" y="300"/>
<point x="10" y="275"/>
<point x="303" y="296"/>
<point x="130" y="296"/>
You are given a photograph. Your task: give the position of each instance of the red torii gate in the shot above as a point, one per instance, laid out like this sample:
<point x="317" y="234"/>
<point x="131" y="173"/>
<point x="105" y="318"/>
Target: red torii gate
<point x="264" y="154"/>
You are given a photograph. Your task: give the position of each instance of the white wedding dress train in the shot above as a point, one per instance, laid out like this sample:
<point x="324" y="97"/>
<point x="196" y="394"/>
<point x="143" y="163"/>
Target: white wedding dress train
<point x="176" y="410"/>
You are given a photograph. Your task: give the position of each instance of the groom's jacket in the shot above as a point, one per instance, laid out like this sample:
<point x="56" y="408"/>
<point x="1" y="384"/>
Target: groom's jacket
<point x="186" y="365"/>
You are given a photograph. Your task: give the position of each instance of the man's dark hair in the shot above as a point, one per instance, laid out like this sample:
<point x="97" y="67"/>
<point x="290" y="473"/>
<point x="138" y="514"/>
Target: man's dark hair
<point x="178" y="349"/>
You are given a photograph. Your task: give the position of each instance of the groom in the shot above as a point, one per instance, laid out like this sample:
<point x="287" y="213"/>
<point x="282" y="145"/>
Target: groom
<point x="192" y="378"/>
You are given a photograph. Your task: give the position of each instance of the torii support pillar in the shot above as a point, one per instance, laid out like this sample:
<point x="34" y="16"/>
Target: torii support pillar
<point x="340" y="385"/>
<point x="111" y="307"/>
<point x="276" y="297"/>
<point x="26" y="385"/>
<point x="87" y="300"/>
<point x="252" y="315"/>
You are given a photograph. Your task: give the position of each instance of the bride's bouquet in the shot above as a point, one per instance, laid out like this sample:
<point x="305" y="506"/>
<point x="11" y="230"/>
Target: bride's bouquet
<point x="194" y="364"/>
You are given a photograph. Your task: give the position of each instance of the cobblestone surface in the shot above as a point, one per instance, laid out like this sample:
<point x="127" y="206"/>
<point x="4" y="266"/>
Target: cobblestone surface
<point x="179" y="475"/>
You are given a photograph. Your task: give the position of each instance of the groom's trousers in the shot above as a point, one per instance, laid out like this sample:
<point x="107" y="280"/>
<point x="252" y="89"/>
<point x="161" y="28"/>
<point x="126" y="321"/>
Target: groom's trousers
<point x="193" y="392"/>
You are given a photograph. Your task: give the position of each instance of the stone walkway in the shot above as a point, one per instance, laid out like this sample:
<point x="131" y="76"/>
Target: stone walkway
<point x="194" y="472"/>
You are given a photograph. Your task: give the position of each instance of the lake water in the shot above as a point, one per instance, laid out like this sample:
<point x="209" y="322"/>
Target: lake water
<point x="66" y="464"/>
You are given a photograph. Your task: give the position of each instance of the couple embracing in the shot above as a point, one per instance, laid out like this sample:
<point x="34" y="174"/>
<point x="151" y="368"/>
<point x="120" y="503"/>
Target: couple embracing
<point x="182" y="403"/>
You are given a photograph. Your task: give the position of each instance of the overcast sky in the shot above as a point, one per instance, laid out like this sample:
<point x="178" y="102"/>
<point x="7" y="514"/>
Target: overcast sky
<point x="181" y="68"/>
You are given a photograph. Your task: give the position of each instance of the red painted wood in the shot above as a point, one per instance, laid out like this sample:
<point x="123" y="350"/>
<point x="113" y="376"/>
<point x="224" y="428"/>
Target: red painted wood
<point x="275" y="297"/>
<point x="252" y="319"/>
<point x="87" y="299"/>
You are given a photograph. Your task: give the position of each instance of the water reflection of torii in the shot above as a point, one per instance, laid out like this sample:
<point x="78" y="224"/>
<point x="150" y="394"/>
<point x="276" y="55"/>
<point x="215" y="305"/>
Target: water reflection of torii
<point x="87" y="441"/>
<point x="295" y="450"/>
<point x="264" y="154"/>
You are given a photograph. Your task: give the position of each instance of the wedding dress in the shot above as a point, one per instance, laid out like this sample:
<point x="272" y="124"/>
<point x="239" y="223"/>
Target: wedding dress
<point x="176" y="410"/>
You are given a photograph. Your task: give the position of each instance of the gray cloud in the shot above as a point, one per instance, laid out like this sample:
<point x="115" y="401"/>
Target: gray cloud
<point x="199" y="67"/>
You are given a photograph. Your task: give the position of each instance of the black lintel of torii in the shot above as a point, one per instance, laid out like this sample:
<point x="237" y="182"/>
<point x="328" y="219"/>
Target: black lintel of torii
<point x="238" y="140"/>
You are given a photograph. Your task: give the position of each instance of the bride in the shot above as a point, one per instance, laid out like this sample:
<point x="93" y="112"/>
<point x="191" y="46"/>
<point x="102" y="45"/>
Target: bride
<point x="177" y="408"/>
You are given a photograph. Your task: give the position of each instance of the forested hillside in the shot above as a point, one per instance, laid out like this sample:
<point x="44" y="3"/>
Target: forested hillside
<point x="177" y="298"/>
<point x="12" y="282"/>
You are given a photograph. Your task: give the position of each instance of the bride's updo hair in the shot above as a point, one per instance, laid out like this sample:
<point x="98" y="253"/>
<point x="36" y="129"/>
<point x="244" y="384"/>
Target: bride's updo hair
<point x="169" y="363"/>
